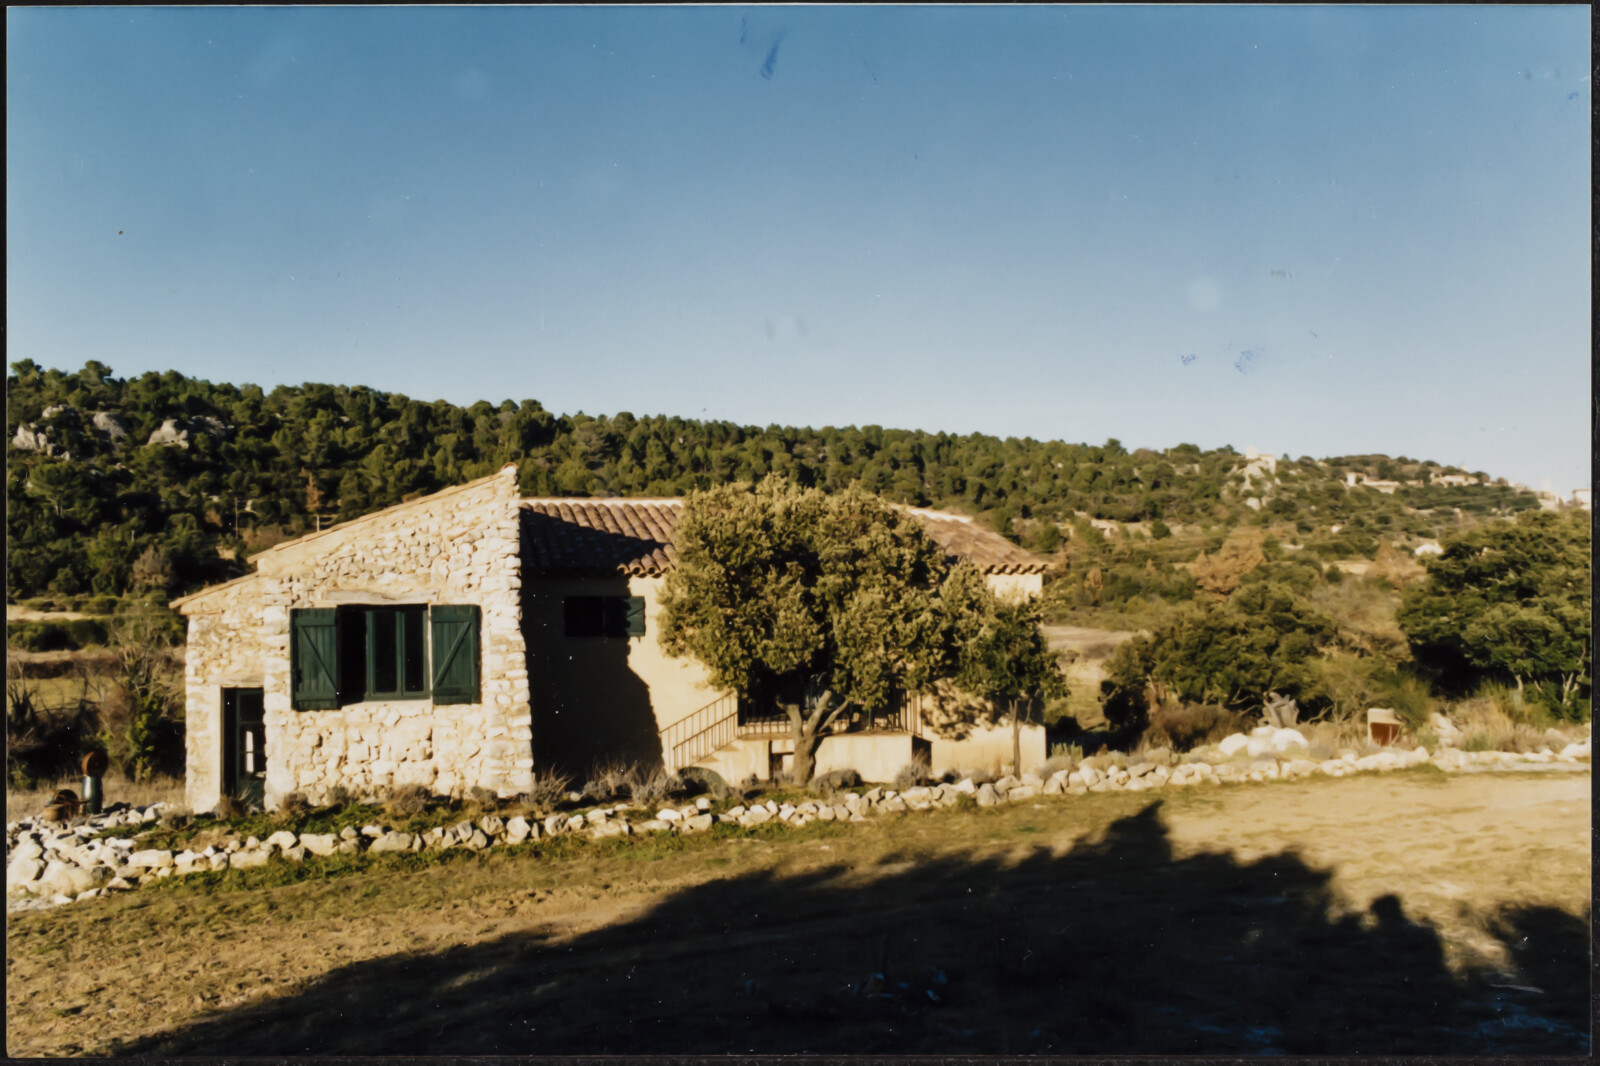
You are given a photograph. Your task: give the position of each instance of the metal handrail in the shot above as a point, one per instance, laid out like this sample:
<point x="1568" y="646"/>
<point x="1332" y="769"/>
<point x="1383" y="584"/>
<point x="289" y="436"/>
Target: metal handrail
<point x="693" y="737"/>
<point x="689" y="739"/>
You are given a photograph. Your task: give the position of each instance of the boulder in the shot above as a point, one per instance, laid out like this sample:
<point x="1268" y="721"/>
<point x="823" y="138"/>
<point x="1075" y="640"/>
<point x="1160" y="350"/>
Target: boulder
<point x="554" y="824"/>
<point x="667" y="814"/>
<point x="477" y="841"/>
<point x="893" y="803"/>
<point x="654" y="825"/>
<point x="244" y="860"/>
<point x="72" y="880"/>
<point x="519" y="829"/>
<point x="1284" y="739"/>
<point x="965" y="786"/>
<point x="23" y="872"/>
<point x="154" y="859"/>
<point x="392" y="841"/>
<point x="319" y="843"/>
<point x="1232" y="744"/>
<point x="283" y="840"/>
<point x="755" y="816"/>
<point x="987" y="796"/>
<point x="295" y="854"/>
<point x="1022" y="792"/>
<point x="696" y="824"/>
<point x="491" y="825"/>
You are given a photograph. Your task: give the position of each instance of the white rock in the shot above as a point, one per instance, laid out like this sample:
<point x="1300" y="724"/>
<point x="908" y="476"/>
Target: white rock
<point x="153" y="859"/>
<point x="1284" y="739"/>
<point x="23" y="871"/>
<point x="519" y="829"/>
<point x="987" y="796"/>
<point x="1233" y="744"/>
<point x="319" y="843"/>
<point x="965" y="785"/>
<point x="1022" y="792"/>
<point x="667" y="814"/>
<point x="702" y="804"/>
<point x="392" y="841"/>
<point x="244" y="860"/>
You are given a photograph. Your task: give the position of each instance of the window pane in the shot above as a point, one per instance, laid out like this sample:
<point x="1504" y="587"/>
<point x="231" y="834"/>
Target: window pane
<point x="414" y="621"/>
<point x="381" y="625"/>
<point x="352" y="655"/>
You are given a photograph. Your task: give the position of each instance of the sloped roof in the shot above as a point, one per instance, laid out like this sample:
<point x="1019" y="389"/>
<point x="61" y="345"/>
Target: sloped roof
<point x="588" y="536"/>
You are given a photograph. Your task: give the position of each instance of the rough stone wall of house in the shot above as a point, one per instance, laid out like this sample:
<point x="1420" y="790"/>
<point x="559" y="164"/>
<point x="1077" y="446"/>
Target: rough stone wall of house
<point x="457" y="547"/>
<point x="224" y="651"/>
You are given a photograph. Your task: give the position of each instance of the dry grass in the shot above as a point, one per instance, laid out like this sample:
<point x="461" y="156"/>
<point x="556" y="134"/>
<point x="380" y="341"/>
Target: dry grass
<point x="1305" y="911"/>
<point x="116" y="788"/>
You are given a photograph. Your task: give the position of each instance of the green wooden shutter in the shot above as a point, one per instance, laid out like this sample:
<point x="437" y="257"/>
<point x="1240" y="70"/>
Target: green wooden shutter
<point x="455" y="654"/>
<point x="635" y="616"/>
<point x="314" y="658"/>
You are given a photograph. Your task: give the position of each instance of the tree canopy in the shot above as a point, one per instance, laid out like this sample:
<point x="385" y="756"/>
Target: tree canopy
<point x="823" y="604"/>
<point x="1510" y="601"/>
<point x="1260" y="640"/>
<point x="97" y="476"/>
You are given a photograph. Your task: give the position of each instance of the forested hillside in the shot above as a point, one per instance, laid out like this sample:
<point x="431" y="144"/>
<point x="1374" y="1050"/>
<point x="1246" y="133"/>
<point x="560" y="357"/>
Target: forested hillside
<point x="162" y="483"/>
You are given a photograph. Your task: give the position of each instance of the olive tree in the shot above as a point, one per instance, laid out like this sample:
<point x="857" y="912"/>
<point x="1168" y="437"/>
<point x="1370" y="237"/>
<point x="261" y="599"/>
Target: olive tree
<point x="827" y="604"/>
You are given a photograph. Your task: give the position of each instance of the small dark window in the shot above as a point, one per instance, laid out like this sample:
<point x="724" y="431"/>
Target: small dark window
<point x="604" y="616"/>
<point x="396" y="652"/>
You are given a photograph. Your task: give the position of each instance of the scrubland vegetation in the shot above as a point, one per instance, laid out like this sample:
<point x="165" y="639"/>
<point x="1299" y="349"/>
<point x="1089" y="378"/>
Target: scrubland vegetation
<point x="1238" y="577"/>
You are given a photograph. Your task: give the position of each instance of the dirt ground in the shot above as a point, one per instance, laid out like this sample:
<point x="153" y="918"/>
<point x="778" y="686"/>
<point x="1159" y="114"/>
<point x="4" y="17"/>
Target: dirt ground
<point x="1403" y="913"/>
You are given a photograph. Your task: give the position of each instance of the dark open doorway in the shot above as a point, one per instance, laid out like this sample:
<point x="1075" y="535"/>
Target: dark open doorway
<point x="244" y="745"/>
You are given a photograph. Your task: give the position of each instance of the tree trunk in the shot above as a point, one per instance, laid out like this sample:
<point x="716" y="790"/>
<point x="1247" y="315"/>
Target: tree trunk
<point x="807" y="733"/>
<point x="1016" y="738"/>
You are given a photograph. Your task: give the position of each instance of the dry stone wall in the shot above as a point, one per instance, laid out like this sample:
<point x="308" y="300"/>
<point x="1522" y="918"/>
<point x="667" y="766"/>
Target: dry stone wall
<point x="457" y="547"/>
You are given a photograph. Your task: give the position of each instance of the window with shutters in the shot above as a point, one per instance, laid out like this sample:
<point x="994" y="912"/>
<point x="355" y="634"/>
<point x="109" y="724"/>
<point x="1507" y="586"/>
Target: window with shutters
<point x="349" y="655"/>
<point x="603" y="616"/>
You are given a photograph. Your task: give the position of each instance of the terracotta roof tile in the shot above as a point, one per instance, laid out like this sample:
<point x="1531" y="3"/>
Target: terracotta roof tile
<point x="582" y="536"/>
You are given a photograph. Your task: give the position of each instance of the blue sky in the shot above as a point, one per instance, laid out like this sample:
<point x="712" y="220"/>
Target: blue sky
<point x="1316" y="231"/>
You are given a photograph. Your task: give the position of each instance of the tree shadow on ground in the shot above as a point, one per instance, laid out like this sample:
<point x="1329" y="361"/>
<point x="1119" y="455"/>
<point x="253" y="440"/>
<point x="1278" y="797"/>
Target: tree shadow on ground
<point x="1115" y="946"/>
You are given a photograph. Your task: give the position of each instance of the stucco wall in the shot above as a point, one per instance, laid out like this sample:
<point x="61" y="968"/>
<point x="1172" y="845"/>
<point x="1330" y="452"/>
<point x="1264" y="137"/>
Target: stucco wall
<point x="1015" y="586"/>
<point x="600" y="698"/>
<point x="456" y="547"/>
<point x="988" y="748"/>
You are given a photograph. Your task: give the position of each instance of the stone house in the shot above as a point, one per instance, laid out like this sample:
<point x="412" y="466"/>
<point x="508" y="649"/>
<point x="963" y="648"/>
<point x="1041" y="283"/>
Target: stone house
<point x="470" y="638"/>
